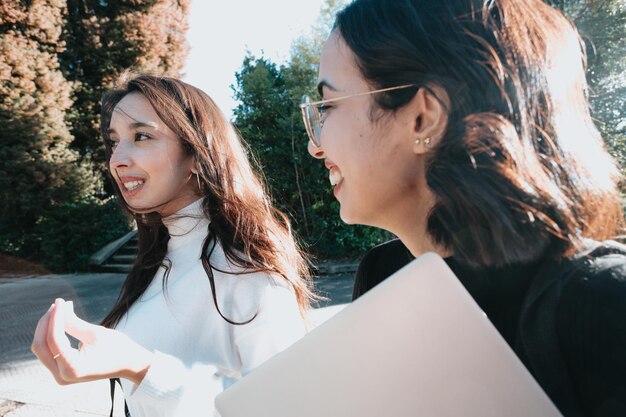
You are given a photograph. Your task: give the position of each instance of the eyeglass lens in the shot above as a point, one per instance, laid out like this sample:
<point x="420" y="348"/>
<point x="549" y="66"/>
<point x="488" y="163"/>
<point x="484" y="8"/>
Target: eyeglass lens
<point x="312" y="121"/>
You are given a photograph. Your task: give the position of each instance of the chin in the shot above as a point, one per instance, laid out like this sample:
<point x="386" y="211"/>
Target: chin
<point x="347" y="217"/>
<point x="363" y="218"/>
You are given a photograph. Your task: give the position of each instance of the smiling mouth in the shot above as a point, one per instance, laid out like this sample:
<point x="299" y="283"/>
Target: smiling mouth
<point x="132" y="185"/>
<point x="335" y="177"/>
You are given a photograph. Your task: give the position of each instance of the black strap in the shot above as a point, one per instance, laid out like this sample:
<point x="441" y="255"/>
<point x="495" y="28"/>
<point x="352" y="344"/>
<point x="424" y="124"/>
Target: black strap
<point x="113" y="381"/>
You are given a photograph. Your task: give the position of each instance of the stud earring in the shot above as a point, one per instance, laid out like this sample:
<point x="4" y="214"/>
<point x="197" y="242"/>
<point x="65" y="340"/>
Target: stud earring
<point x="427" y="142"/>
<point x="418" y="141"/>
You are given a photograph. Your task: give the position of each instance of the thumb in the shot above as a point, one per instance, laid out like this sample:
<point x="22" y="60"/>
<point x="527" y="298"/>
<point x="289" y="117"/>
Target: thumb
<point x="79" y="328"/>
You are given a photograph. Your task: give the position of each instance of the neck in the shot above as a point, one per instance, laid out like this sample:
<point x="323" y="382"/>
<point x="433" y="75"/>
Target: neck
<point x="409" y="224"/>
<point x="186" y="224"/>
<point x="418" y="242"/>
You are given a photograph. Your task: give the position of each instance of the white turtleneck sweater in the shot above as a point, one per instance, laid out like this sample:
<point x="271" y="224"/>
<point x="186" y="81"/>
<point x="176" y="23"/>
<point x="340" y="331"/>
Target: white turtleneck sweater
<point x="195" y="348"/>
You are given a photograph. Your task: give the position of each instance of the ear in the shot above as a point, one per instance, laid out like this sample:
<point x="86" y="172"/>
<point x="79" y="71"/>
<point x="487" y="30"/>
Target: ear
<point x="430" y="117"/>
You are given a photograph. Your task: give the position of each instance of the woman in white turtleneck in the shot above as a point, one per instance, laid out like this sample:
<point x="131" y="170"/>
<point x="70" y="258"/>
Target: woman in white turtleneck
<point x="218" y="286"/>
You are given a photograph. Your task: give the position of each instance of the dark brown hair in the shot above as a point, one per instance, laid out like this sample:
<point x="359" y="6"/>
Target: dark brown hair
<point x="253" y="234"/>
<point x="521" y="172"/>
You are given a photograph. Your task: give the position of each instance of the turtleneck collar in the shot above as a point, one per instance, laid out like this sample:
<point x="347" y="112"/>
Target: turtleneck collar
<point x="186" y="225"/>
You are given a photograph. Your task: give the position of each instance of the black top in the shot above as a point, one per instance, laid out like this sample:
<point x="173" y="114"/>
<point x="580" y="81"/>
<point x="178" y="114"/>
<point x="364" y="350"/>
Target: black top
<point x="588" y="312"/>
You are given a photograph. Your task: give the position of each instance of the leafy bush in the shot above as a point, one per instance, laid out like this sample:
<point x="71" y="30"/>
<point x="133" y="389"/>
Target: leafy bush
<point x="269" y="119"/>
<point x="69" y="234"/>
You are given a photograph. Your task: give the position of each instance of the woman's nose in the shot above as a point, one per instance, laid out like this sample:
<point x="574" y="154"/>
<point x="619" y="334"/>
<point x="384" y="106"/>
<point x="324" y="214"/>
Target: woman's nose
<point x="315" y="151"/>
<point x="120" y="156"/>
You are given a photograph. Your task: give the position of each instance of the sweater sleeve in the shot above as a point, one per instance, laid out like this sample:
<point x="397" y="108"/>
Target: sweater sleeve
<point x="172" y="389"/>
<point x="592" y="329"/>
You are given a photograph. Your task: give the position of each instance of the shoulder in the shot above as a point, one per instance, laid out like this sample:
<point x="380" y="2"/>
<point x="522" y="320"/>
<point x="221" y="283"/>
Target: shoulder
<point x="393" y="248"/>
<point x="598" y="265"/>
<point x="591" y="324"/>
<point x="249" y="293"/>
<point x="583" y="290"/>
<point x="600" y="270"/>
<point x="593" y="300"/>
<point x="242" y="293"/>
<point x="379" y="263"/>
<point x="232" y="273"/>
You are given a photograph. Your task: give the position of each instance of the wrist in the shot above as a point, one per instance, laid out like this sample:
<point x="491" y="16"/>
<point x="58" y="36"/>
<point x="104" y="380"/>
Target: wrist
<point x="139" y="367"/>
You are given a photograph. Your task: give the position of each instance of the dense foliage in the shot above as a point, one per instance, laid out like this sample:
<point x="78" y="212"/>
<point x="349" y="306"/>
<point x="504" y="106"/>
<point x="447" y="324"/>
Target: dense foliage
<point x="56" y="59"/>
<point x="71" y="232"/>
<point x="38" y="169"/>
<point x="269" y="118"/>
<point x="58" y="56"/>
<point x="105" y="38"/>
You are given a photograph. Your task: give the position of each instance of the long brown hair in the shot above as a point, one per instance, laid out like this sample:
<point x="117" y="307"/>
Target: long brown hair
<point x="253" y="234"/>
<point x="521" y="172"/>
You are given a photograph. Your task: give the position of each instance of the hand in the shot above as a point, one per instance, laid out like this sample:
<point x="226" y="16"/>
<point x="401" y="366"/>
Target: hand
<point x="103" y="353"/>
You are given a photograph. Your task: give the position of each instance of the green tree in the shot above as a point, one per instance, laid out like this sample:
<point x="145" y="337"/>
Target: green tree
<point x="106" y="37"/>
<point x="269" y="119"/>
<point x="38" y="171"/>
<point x="602" y="24"/>
<point x="57" y="57"/>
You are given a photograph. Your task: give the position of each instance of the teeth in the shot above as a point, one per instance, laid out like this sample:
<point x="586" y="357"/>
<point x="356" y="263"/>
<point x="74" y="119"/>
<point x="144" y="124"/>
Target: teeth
<point x="335" y="177"/>
<point x="132" y="185"/>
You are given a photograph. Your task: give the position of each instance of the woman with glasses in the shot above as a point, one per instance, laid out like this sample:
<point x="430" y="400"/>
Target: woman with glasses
<point x="463" y="128"/>
<point x="219" y="284"/>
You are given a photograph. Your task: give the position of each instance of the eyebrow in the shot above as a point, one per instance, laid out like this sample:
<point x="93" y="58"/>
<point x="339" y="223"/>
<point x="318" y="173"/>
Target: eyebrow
<point x="321" y="85"/>
<point x="136" y="125"/>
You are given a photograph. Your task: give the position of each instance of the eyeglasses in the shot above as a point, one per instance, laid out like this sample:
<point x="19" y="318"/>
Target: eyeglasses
<point x="312" y="111"/>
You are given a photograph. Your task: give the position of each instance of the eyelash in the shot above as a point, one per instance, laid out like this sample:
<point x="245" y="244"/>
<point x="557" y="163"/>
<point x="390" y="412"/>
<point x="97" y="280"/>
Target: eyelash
<point x="139" y="134"/>
<point x="324" y="108"/>
<point x="113" y="143"/>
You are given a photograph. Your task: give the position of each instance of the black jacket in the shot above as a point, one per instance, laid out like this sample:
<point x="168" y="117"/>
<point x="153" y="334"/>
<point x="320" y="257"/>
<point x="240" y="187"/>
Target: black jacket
<point x="569" y="328"/>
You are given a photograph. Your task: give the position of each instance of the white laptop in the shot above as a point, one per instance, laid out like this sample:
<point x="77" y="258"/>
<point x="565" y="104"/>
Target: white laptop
<point x="415" y="345"/>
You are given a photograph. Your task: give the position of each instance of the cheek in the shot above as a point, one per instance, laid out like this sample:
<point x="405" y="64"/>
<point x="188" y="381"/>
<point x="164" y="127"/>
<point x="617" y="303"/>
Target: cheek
<point x="344" y="132"/>
<point x="182" y="166"/>
<point x="173" y="157"/>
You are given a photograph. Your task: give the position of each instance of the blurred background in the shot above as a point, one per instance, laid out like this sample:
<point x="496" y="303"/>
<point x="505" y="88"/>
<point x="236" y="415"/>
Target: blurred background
<point x="256" y="59"/>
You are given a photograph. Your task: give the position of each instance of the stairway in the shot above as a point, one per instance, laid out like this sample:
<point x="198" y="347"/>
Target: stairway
<point x="123" y="259"/>
<point x="117" y="256"/>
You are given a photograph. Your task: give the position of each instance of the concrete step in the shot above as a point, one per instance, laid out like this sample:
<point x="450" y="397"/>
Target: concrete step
<point x="122" y="258"/>
<point x="124" y="245"/>
<point x="126" y="252"/>
<point x="336" y="268"/>
<point x="116" y="267"/>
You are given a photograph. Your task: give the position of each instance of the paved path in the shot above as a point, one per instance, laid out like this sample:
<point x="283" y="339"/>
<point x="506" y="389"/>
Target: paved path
<point x="26" y="387"/>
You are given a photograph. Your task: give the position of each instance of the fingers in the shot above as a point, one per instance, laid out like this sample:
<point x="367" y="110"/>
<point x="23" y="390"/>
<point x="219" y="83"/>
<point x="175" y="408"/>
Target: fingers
<point x="67" y="360"/>
<point x="67" y="364"/>
<point x="82" y="330"/>
<point x="56" y="338"/>
<point x="40" y="345"/>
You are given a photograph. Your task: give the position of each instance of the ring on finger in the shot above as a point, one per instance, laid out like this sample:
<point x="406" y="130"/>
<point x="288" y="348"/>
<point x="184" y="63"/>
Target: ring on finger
<point x="56" y="356"/>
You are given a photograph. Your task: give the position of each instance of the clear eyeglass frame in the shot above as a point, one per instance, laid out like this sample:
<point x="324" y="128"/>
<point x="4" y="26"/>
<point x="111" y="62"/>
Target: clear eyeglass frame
<point x="312" y="116"/>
